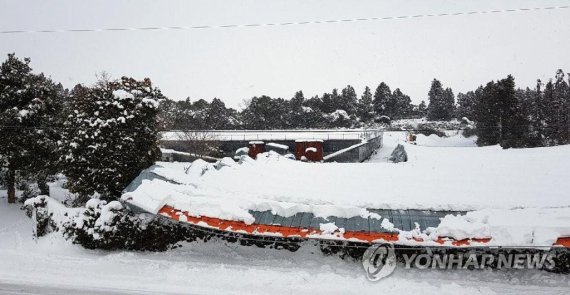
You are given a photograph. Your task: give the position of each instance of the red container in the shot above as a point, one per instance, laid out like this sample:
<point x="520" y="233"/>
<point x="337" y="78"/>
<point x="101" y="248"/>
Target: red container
<point x="255" y="148"/>
<point x="311" y="149"/>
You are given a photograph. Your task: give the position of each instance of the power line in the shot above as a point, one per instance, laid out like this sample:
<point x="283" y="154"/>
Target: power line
<point x="464" y="13"/>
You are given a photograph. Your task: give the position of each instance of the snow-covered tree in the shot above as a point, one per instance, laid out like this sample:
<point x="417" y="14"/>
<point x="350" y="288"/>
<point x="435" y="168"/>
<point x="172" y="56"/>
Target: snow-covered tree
<point x="382" y="96"/>
<point x="466" y="103"/>
<point x="365" y="106"/>
<point x="111" y="135"/>
<point x="441" y="102"/>
<point x="29" y="108"/>
<point x="348" y="100"/>
<point x="400" y="105"/>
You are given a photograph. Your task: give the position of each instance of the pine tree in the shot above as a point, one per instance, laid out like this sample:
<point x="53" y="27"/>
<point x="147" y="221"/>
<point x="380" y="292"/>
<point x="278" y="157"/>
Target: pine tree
<point x="30" y="106"/>
<point x="382" y="97"/>
<point x="550" y="126"/>
<point x="111" y="135"/>
<point x="487" y="115"/>
<point x="349" y="100"/>
<point x="441" y="102"/>
<point x="422" y="109"/>
<point x="400" y="105"/>
<point x="297" y="110"/>
<point x="365" y="106"/>
<point x="217" y="116"/>
<point x="512" y="122"/>
<point x="466" y="103"/>
<point x="561" y="108"/>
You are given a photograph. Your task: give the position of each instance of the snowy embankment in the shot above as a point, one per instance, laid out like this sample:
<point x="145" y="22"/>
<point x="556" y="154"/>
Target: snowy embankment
<point x="494" y="181"/>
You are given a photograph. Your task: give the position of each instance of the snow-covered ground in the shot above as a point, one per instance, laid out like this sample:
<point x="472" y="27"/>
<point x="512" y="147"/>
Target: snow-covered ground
<point x="55" y="266"/>
<point x="437" y="176"/>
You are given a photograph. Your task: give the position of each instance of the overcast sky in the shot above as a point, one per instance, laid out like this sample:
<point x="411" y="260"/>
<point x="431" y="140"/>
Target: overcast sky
<point x="237" y="63"/>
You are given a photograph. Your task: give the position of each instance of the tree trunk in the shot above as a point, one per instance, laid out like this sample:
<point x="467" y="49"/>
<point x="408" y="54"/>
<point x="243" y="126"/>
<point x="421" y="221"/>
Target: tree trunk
<point x="11" y="185"/>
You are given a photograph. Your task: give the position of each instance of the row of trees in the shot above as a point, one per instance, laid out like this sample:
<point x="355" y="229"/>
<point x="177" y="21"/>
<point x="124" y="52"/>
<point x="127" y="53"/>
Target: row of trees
<point x="99" y="136"/>
<point x="330" y="110"/>
<point x="503" y="114"/>
<point x="520" y="117"/>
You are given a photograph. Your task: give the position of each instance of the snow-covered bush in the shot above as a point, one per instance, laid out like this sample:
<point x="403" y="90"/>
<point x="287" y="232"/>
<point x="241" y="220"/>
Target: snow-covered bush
<point x="427" y="130"/>
<point x="110" y="226"/>
<point x="112" y="136"/>
<point x="44" y="224"/>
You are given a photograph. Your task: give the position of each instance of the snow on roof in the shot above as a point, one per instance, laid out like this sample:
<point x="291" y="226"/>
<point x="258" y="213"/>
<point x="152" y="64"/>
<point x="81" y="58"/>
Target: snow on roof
<point x="270" y="135"/>
<point x="309" y="140"/>
<point x="490" y="180"/>
<point x="278" y="145"/>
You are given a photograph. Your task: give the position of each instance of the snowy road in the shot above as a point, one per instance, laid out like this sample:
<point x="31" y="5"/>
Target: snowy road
<point x="7" y="288"/>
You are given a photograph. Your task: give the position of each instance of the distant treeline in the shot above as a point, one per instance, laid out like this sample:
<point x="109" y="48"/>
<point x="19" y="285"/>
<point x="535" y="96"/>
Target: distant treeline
<point x="502" y="113"/>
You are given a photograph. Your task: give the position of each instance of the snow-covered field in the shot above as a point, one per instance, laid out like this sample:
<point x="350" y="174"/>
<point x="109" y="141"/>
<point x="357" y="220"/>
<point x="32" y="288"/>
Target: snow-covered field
<point x="54" y="266"/>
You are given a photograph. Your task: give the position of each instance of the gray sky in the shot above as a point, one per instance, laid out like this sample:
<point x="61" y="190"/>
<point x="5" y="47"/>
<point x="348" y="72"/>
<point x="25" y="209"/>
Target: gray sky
<point x="237" y="63"/>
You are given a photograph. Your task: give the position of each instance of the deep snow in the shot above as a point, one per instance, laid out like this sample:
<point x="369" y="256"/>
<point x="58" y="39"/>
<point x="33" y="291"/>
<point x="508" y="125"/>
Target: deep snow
<point x="52" y="265"/>
<point x="442" y="173"/>
<point x="458" y="178"/>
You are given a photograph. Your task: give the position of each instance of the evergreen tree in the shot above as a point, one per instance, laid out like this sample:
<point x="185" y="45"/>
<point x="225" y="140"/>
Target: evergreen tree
<point x="365" y="106"/>
<point x="349" y="100"/>
<point x="487" y="115"/>
<point x="327" y="103"/>
<point x="264" y="113"/>
<point x="111" y="136"/>
<point x="400" y="105"/>
<point x="512" y="122"/>
<point x="30" y="108"/>
<point x="218" y="116"/>
<point x="466" y="104"/>
<point x="560" y="109"/>
<point x="422" y="109"/>
<point x="550" y="125"/>
<point x="382" y="97"/>
<point x="297" y="110"/>
<point x="441" y="102"/>
<point x="167" y="115"/>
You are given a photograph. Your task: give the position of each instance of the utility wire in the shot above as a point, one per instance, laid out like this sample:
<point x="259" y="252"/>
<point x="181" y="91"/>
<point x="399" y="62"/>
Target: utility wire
<point x="465" y="13"/>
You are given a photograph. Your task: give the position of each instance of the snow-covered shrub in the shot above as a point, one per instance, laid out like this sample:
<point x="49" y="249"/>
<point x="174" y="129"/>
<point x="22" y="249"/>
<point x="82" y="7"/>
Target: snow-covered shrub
<point x="427" y="130"/>
<point x="110" y="226"/>
<point x="44" y="223"/>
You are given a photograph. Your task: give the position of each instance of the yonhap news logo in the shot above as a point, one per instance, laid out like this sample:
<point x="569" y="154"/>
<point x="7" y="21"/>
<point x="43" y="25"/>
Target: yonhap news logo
<point x="380" y="260"/>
